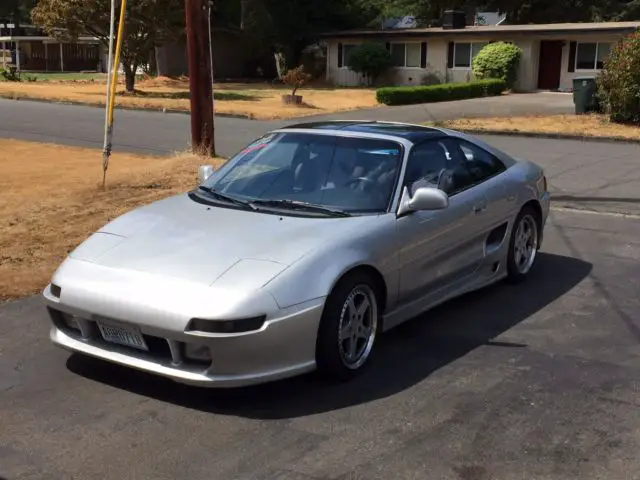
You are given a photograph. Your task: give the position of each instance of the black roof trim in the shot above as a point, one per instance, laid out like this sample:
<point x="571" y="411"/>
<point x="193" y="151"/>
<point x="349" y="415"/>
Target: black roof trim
<point x="407" y="131"/>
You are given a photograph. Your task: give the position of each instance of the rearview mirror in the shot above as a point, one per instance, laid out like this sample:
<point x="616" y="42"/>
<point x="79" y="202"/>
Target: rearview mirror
<point x="204" y="172"/>
<point x="424" y="198"/>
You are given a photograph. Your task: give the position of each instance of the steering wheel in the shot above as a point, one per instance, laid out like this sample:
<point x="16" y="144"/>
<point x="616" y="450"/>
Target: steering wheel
<point x="367" y="183"/>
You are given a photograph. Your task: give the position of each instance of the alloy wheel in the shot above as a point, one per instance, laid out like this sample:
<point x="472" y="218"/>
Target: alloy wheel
<point x="526" y="244"/>
<point x="357" y="327"/>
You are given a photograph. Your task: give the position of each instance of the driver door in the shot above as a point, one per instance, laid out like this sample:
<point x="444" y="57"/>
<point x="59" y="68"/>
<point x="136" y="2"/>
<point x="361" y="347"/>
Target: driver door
<point x="440" y="250"/>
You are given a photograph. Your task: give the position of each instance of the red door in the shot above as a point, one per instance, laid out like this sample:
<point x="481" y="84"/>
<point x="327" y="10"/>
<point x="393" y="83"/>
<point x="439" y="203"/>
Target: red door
<point x="550" y="64"/>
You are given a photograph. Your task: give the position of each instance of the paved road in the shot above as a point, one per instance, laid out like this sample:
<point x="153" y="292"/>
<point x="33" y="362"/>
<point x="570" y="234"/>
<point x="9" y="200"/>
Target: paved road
<point x="533" y="381"/>
<point x="582" y="174"/>
<point x="134" y="131"/>
<point x="161" y="133"/>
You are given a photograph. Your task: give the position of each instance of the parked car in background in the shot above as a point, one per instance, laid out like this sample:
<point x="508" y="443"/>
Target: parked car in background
<point x="299" y="252"/>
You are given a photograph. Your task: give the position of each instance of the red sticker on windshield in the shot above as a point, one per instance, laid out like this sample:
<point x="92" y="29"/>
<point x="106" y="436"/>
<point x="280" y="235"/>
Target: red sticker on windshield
<point x="253" y="147"/>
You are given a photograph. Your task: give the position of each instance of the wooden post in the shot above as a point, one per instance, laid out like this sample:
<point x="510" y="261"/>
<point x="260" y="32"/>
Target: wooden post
<point x="200" y="82"/>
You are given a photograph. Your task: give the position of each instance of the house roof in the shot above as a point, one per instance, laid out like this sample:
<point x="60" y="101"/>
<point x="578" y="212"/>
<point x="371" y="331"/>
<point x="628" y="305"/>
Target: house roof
<point x="547" y="28"/>
<point x="34" y="38"/>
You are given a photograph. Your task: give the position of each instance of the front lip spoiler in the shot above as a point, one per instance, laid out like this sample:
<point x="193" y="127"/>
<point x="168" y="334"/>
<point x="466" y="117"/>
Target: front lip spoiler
<point x="60" y="339"/>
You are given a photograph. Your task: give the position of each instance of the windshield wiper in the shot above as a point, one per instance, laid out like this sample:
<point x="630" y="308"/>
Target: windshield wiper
<point x="298" y="205"/>
<point x="226" y="198"/>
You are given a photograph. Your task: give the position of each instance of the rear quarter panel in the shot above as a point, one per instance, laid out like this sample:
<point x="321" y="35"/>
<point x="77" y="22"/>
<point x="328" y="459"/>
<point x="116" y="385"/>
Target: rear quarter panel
<point x="527" y="178"/>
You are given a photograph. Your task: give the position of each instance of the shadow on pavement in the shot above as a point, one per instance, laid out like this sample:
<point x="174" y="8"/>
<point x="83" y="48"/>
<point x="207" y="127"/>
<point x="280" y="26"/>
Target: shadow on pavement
<point x="406" y="355"/>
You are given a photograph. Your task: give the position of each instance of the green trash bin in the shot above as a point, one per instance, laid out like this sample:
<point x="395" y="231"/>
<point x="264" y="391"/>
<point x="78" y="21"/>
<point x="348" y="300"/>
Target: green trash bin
<point x="584" y="94"/>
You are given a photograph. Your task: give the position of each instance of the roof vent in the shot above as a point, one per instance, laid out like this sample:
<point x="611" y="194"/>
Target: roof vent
<point x="453" y="19"/>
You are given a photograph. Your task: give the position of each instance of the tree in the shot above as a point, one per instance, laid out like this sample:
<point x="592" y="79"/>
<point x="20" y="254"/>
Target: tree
<point x="148" y="23"/>
<point x="16" y="10"/>
<point x="371" y="60"/>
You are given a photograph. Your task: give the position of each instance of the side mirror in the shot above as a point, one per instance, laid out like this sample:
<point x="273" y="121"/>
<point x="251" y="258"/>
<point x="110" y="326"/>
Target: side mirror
<point x="204" y="172"/>
<point x="424" y="198"/>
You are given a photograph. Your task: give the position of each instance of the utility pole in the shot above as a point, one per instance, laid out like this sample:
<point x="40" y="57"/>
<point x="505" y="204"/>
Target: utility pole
<point x="200" y="81"/>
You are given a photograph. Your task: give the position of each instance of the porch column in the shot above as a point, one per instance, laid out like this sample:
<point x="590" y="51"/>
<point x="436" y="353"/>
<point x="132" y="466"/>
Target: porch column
<point x="61" y="59"/>
<point x="18" y="54"/>
<point x="327" y="73"/>
<point x="4" y="58"/>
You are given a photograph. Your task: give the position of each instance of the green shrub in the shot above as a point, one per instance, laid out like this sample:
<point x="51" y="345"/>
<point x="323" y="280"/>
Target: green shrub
<point x="440" y="93"/>
<point x="498" y="60"/>
<point x="619" y="81"/>
<point x="12" y="74"/>
<point x="370" y="59"/>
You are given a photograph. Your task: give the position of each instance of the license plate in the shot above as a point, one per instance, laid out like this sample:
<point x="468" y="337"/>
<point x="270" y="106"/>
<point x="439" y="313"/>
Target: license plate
<point x="121" y="334"/>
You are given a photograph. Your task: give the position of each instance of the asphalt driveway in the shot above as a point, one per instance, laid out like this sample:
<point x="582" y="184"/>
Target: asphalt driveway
<point x="534" y="381"/>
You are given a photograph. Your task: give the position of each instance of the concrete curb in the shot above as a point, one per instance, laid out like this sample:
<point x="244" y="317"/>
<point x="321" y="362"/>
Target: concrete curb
<point x="552" y="136"/>
<point x="8" y="96"/>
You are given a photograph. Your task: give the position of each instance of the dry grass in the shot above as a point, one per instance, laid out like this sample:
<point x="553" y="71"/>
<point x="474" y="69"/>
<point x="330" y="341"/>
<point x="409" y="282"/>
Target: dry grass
<point x="592" y="125"/>
<point x="51" y="199"/>
<point x="259" y="101"/>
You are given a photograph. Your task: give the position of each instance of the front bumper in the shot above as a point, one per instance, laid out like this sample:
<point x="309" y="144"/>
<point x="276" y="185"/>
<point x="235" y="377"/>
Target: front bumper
<point x="283" y="347"/>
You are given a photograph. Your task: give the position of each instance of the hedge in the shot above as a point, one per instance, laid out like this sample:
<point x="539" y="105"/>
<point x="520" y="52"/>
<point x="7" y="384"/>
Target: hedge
<point x="440" y="93"/>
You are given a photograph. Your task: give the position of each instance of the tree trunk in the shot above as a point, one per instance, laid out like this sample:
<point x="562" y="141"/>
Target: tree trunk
<point x="129" y="77"/>
<point x="245" y="7"/>
<point x="153" y="64"/>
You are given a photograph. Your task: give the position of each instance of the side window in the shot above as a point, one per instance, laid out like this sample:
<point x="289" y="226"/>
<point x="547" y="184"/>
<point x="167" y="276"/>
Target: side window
<point x="482" y="164"/>
<point x="437" y="163"/>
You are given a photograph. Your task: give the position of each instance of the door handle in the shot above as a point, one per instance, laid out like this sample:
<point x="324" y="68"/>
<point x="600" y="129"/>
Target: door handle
<point x="479" y="207"/>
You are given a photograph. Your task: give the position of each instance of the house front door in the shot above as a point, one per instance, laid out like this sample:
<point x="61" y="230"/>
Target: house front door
<point x="550" y="64"/>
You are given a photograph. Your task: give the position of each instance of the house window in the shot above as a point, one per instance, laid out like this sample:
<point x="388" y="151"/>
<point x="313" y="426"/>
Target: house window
<point x="406" y="55"/>
<point x="347" y="50"/>
<point x="591" y="56"/>
<point x="464" y="53"/>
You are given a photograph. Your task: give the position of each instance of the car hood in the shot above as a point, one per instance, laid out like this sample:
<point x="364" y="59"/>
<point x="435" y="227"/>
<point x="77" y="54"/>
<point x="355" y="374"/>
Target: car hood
<point x="180" y="238"/>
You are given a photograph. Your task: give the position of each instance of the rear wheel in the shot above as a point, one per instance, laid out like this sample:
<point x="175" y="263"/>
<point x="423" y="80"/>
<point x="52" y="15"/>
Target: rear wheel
<point x="523" y="246"/>
<point x="348" y="329"/>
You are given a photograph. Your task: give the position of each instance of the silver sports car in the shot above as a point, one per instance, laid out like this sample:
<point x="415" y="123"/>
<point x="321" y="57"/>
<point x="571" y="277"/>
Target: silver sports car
<point x="299" y="252"/>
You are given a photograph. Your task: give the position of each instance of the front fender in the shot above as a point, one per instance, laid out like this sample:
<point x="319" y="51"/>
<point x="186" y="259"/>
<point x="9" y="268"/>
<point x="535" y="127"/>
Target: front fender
<point x="314" y="277"/>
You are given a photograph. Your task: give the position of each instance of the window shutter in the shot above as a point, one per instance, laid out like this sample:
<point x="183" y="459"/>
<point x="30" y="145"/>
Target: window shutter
<point x="340" y="53"/>
<point x="572" y="56"/>
<point x="423" y="55"/>
<point x="450" y="55"/>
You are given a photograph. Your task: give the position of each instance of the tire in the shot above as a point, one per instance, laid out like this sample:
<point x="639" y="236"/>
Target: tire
<point x="341" y="360"/>
<point x="523" y="249"/>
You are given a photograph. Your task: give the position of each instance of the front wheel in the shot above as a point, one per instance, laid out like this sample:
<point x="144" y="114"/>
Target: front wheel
<point x="348" y="329"/>
<point x="523" y="246"/>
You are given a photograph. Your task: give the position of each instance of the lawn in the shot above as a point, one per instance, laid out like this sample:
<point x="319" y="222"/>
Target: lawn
<point x="592" y="125"/>
<point x="259" y="101"/>
<point x="64" y="77"/>
<point x="51" y="199"/>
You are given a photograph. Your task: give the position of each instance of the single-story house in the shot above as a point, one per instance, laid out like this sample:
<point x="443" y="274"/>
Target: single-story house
<point x="553" y="54"/>
<point x="30" y="49"/>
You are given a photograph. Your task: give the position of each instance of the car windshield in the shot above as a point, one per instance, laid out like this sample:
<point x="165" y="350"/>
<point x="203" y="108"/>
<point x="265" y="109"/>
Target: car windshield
<point x="285" y="169"/>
